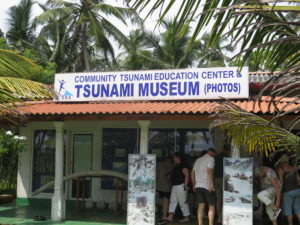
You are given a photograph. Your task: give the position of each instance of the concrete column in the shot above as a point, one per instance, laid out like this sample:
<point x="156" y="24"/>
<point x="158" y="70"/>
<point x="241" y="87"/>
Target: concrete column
<point x="144" y="124"/>
<point x="58" y="210"/>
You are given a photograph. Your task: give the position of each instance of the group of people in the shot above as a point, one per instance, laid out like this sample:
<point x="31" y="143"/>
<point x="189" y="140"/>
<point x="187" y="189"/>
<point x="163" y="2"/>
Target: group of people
<point x="281" y="189"/>
<point x="175" y="180"/>
<point x="204" y="181"/>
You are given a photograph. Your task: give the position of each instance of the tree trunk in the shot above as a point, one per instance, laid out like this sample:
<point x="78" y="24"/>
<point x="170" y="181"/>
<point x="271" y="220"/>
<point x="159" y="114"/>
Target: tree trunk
<point x="57" y="45"/>
<point x="85" y="49"/>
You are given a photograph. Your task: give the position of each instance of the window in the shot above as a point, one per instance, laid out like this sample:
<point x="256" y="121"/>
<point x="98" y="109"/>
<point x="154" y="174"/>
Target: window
<point x="192" y="141"/>
<point x="82" y="162"/>
<point x="43" y="170"/>
<point x="188" y="141"/>
<point x="116" y="145"/>
<point x="162" y="142"/>
<point x="43" y="159"/>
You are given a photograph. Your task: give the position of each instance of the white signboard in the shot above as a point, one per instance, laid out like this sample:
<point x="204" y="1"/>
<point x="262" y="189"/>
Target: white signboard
<point x="237" y="197"/>
<point x="141" y="190"/>
<point x="177" y="84"/>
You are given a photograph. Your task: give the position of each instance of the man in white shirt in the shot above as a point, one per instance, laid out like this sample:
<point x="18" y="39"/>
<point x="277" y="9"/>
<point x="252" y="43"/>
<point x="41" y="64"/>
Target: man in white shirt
<point x="203" y="185"/>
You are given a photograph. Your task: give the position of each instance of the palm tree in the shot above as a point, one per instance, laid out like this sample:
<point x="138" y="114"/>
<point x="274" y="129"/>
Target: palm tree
<point x="267" y="34"/>
<point x="171" y="48"/>
<point x="213" y="55"/>
<point x="136" y="55"/>
<point x="88" y="27"/>
<point x="19" y="23"/>
<point x="54" y="44"/>
<point x="15" y="84"/>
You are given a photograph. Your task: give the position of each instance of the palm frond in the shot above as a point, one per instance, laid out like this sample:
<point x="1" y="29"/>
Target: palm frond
<point x="252" y="133"/>
<point x="15" y="65"/>
<point x="25" y="89"/>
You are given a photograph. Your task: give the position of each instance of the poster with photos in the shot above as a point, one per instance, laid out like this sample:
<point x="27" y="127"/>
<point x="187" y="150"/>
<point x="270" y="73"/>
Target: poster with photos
<point x="141" y="189"/>
<point x="238" y="191"/>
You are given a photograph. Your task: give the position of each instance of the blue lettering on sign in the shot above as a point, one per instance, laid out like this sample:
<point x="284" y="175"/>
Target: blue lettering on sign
<point x="86" y="90"/>
<point x="164" y="89"/>
<point x="78" y="87"/>
<point x="114" y="91"/>
<point x="221" y="87"/>
<point x="170" y="89"/>
<point x="194" y="88"/>
<point x="126" y="90"/>
<point x="156" y="84"/>
<point x="154" y="90"/>
<point x="104" y="90"/>
<point x="144" y="89"/>
<point x="226" y="74"/>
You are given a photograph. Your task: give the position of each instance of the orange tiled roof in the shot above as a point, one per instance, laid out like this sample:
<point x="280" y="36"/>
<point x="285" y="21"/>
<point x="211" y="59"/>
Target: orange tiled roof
<point x="141" y="108"/>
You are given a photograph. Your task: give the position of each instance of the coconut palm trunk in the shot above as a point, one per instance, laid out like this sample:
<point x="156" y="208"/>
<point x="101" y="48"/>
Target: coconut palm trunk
<point x="84" y="47"/>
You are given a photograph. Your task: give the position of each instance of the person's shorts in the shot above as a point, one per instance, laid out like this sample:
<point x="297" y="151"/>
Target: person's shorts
<point x="291" y="202"/>
<point x="163" y="194"/>
<point x="204" y="196"/>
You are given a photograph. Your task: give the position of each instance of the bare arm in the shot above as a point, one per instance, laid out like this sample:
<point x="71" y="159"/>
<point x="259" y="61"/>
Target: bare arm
<point x="193" y="179"/>
<point x="278" y="192"/>
<point x="210" y="173"/>
<point x="186" y="176"/>
<point x="280" y="175"/>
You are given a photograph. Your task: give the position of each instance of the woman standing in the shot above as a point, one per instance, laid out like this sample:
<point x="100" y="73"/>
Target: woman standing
<point x="180" y="178"/>
<point x="290" y="188"/>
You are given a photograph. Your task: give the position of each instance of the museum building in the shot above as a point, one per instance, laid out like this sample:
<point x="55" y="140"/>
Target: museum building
<point x="69" y="137"/>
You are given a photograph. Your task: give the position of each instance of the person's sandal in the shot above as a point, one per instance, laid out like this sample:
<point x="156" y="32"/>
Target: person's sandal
<point x="276" y="213"/>
<point x="185" y="220"/>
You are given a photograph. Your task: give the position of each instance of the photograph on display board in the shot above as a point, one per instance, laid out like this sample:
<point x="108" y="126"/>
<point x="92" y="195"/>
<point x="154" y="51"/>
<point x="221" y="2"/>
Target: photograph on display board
<point x="237" y="198"/>
<point x="141" y="189"/>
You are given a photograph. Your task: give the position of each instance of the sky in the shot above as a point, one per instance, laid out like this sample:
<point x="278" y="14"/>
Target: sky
<point x="149" y="25"/>
<point x="6" y="4"/>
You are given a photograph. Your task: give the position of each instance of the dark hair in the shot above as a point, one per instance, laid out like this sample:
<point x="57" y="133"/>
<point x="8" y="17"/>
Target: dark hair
<point x="178" y="154"/>
<point x="181" y="157"/>
<point x="202" y="153"/>
<point x="211" y="150"/>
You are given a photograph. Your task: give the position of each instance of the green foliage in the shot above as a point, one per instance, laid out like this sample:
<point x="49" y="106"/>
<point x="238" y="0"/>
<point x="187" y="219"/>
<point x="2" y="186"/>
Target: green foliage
<point x="3" y="43"/>
<point x="266" y="36"/>
<point x="148" y="183"/>
<point x="212" y="55"/>
<point x="171" y="49"/>
<point x="87" y="28"/>
<point x="11" y="142"/>
<point x="47" y="69"/>
<point x="10" y="146"/>
<point x="48" y="74"/>
<point x="20" y="27"/>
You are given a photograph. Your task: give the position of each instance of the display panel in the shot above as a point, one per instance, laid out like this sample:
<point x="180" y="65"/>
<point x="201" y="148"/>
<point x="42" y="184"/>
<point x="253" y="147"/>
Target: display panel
<point x="238" y="191"/>
<point x="141" y="190"/>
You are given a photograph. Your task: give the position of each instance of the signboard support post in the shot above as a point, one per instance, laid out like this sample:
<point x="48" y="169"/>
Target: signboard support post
<point x="144" y="124"/>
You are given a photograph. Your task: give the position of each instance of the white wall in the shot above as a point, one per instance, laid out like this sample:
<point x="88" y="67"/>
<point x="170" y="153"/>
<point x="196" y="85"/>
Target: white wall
<point x="95" y="128"/>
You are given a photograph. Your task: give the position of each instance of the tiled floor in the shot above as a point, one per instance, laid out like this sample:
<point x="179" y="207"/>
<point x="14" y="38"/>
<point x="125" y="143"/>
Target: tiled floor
<point x="12" y="214"/>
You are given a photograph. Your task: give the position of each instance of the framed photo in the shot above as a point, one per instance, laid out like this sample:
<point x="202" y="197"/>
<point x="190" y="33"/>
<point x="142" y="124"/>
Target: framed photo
<point x="157" y="152"/>
<point x="120" y="152"/>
